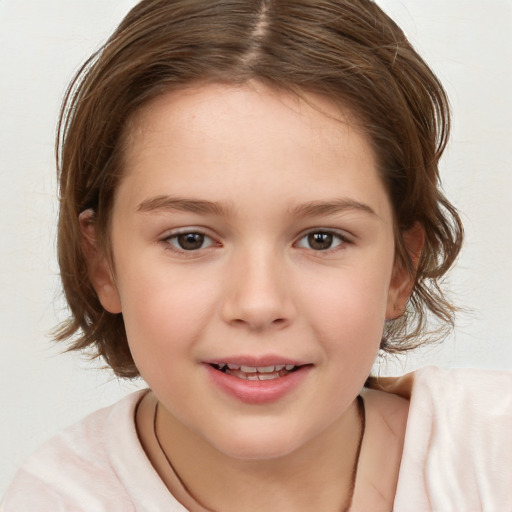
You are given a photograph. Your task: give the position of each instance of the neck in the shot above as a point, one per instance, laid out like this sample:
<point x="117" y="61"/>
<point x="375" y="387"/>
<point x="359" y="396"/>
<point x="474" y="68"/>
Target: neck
<point x="326" y="463"/>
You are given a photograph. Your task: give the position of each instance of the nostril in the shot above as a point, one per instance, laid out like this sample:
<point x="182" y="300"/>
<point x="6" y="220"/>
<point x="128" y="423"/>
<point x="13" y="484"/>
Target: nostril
<point x="258" y="324"/>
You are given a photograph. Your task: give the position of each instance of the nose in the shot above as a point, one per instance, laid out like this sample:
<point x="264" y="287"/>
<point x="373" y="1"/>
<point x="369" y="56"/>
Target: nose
<point x="258" y="295"/>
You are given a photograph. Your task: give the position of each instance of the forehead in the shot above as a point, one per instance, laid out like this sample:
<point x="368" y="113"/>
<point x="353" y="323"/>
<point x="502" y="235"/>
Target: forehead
<point x="211" y="111"/>
<point x="215" y="138"/>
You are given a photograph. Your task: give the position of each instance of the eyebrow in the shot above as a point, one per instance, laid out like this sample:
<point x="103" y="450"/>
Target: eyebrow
<point x="314" y="208"/>
<point x="317" y="208"/>
<point x="168" y="203"/>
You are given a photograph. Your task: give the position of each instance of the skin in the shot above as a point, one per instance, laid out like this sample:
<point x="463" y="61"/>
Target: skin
<point x="276" y="169"/>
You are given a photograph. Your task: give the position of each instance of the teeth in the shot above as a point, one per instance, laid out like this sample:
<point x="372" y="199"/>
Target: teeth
<point x="248" y="369"/>
<point x="268" y="376"/>
<point x="257" y="370"/>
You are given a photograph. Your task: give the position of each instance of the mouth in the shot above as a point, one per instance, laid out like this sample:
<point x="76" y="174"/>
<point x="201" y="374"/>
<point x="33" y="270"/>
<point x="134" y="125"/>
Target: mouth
<point x="256" y="373"/>
<point x="257" y="381"/>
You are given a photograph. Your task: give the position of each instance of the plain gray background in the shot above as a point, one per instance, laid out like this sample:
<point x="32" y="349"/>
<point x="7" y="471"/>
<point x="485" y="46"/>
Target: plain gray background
<point x="42" y="43"/>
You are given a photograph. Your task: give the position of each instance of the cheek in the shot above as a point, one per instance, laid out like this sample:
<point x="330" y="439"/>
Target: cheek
<point x="348" y="314"/>
<point x="350" y="298"/>
<point x="164" y="312"/>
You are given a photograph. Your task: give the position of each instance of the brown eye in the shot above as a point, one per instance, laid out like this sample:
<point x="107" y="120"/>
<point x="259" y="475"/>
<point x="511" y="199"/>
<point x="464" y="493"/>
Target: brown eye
<point x="191" y="241"/>
<point x="321" y="240"/>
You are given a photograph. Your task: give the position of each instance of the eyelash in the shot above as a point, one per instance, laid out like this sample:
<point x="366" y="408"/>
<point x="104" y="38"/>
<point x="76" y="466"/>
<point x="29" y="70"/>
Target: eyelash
<point x="172" y="241"/>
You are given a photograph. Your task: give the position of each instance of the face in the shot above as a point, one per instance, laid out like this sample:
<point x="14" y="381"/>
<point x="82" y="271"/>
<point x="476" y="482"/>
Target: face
<point x="253" y="252"/>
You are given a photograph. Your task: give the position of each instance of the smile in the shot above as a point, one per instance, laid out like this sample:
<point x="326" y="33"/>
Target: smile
<point x="256" y="372"/>
<point x="254" y="381"/>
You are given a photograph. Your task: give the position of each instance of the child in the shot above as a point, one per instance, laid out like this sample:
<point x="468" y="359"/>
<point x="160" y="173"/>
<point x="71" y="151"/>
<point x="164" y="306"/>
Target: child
<point x="250" y="210"/>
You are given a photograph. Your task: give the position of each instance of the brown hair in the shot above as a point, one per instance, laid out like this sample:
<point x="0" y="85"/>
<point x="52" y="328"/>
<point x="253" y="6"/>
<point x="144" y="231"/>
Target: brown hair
<point x="347" y="50"/>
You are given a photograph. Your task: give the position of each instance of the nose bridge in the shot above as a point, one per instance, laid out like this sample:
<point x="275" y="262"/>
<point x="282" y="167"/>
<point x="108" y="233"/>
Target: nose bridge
<point x="257" y="295"/>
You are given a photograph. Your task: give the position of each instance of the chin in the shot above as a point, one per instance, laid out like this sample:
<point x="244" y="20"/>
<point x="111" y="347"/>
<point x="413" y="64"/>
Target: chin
<point x="263" y="442"/>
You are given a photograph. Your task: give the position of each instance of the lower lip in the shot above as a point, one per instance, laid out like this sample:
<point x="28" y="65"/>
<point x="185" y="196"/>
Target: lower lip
<point x="257" y="391"/>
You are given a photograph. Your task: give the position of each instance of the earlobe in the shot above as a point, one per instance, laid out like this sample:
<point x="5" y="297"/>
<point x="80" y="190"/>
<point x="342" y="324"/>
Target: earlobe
<point x="402" y="281"/>
<point x="98" y="267"/>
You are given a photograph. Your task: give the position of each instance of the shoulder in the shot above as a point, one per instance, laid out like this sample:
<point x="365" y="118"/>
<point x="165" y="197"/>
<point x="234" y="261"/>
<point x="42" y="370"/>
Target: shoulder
<point x="458" y="440"/>
<point x="467" y="404"/>
<point x="78" y="468"/>
<point x="479" y="392"/>
<point x="466" y="399"/>
<point x="464" y="382"/>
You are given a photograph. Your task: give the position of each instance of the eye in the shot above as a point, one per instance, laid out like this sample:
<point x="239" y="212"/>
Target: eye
<point x="321" y="240"/>
<point x="189" y="241"/>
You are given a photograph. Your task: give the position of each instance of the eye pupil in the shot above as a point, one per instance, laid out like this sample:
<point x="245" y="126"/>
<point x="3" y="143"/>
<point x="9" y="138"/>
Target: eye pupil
<point x="191" y="241"/>
<point x="320" y="241"/>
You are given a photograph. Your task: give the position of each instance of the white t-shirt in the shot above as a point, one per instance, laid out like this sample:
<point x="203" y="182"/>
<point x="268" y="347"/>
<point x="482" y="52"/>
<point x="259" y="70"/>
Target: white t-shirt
<point x="457" y="454"/>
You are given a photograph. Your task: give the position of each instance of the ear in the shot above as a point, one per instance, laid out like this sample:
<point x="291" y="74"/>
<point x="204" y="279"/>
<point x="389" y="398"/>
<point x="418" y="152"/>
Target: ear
<point x="402" y="282"/>
<point x="98" y="267"/>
